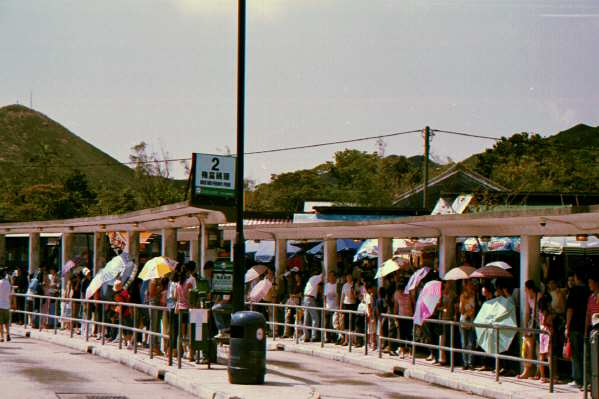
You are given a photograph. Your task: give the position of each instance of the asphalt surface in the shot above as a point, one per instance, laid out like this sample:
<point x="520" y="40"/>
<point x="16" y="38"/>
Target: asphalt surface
<point x="335" y="380"/>
<point x="40" y="370"/>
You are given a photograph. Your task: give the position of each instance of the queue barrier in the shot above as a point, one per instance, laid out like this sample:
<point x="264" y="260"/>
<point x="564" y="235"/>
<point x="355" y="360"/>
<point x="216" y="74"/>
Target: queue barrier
<point x="35" y="302"/>
<point x="382" y="339"/>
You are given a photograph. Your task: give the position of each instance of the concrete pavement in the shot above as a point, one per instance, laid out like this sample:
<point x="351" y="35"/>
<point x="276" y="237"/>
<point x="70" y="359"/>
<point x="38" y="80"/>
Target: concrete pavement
<point x="475" y="382"/>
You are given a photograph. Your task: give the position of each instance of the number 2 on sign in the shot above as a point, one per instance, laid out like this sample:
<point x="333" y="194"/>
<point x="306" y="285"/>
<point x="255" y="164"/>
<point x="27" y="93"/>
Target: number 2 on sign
<point x="215" y="163"/>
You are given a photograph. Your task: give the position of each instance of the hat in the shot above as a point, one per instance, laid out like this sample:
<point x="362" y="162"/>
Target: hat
<point x="86" y="271"/>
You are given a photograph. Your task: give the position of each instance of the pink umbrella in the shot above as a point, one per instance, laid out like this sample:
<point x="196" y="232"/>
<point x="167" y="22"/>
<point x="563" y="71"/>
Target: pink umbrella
<point x="70" y="265"/>
<point x="427" y="301"/>
<point x="416" y="278"/>
<point x="260" y="290"/>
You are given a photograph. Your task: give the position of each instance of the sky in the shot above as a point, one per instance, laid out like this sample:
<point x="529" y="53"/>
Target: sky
<point x="118" y="72"/>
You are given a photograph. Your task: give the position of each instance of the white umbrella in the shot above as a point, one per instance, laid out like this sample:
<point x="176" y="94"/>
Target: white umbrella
<point x="499" y="264"/>
<point x="459" y="273"/>
<point x="255" y="272"/>
<point x="390" y="266"/>
<point x="260" y="290"/>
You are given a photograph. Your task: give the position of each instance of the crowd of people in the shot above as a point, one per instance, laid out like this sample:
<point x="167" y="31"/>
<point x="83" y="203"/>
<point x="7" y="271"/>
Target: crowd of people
<point x="556" y="310"/>
<point x="553" y="309"/>
<point x="170" y="293"/>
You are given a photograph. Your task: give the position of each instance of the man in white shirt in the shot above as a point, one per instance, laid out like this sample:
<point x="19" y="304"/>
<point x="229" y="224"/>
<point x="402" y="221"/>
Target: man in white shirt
<point x="311" y="316"/>
<point x="5" y="291"/>
<point x="331" y="302"/>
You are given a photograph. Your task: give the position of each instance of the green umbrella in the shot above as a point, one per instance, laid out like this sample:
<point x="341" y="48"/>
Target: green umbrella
<point x="496" y="311"/>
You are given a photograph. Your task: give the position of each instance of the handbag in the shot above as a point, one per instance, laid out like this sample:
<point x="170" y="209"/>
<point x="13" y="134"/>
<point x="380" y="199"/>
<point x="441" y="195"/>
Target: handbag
<point x="362" y="307"/>
<point x="567" y="351"/>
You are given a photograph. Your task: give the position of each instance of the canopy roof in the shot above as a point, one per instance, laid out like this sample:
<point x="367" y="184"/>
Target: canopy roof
<point x="176" y="215"/>
<point x="542" y="222"/>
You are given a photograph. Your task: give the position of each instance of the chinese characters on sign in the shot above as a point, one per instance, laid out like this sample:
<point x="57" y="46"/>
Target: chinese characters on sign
<point x="214" y="175"/>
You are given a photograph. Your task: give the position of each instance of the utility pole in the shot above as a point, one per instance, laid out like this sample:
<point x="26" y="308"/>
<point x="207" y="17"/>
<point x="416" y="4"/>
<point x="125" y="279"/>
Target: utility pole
<point x="427" y="148"/>
<point x="239" y="248"/>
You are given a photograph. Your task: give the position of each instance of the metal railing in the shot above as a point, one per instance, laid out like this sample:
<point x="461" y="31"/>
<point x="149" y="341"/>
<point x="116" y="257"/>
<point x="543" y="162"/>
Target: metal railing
<point x="352" y="315"/>
<point x="381" y="339"/>
<point x="34" y="306"/>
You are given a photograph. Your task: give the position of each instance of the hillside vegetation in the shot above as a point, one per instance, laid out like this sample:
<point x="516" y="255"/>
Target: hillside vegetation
<point x="47" y="172"/>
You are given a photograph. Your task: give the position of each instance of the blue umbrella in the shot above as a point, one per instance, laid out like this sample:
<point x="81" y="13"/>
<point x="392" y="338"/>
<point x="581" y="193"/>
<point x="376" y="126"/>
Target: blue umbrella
<point x="342" y="245"/>
<point x="265" y="250"/>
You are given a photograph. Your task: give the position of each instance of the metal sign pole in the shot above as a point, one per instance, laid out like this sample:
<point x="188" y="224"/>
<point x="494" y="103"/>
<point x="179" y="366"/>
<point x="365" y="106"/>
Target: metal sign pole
<point x="239" y="255"/>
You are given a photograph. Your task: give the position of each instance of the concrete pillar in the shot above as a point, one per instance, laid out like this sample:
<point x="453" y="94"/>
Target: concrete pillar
<point x="133" y="246"/>
<point x="34" y="252"/>
<point x="2" y="250"/>
<point x="330" y="255"/>
<point x="194" y="250"/>
<point x="99" y="259"/>
<point x="169" y="243"/>
<point x="530" y="265"/>
<point x="385" y="252"/>
<point x="280" y="265"/>
<point x="203" y="243"/>
<point x="66" y="248"/>
<point x="447" y="254"/>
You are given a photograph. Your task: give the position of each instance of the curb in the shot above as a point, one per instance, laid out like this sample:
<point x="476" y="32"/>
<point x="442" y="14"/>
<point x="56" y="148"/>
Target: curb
<point x="170" y="377"/>
<point x="411" y="372"/>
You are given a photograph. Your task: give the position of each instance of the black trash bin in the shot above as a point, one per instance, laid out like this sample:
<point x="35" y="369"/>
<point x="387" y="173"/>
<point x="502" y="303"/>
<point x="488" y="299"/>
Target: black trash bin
<point x="247" y="350"/>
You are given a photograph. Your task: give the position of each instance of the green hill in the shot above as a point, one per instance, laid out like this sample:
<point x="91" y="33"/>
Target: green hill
<point x="565" y="162"/>
<point x="48" y="172"/>
<point x="33" y="145"/>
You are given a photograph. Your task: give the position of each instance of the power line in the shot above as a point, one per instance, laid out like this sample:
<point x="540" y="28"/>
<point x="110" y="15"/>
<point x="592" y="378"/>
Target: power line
<point x="467" y="135"/>
<point x="280" y="149"/>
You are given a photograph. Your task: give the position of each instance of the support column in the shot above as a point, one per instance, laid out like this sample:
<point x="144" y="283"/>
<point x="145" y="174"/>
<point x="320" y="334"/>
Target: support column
<point x="194" y="250"/>
<point x="385" y="252"/>
<point x="280" y="265"/>
<point x="133" y="246"/>
<point x="34" y="252"/>
<point x="447" y="254"/>
<point x="169" y="243"/>
<point x="66" y="248"/>
<point x="99" y="259"/>
<point x="203" y="246"/>
<point x="2" y="250"/>
<point x="330" y="256"/>
<point x="530" y="265"/>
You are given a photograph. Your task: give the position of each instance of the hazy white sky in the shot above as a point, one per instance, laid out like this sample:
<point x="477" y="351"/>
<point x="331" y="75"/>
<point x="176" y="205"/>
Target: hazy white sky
<point x="122" y="71"/>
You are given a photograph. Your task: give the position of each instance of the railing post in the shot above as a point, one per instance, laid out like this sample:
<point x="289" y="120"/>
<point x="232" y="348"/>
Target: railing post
<point x="585" y="365"/>
<point x="451" y="338"/>
<point x="103" y="331"/>
<point x="86" y="313"/>
<point x="295" y="332"/>
<point x="496" y="332"/>
<point x="150" y="329"/>
<point x="413" y="342"/>
<point x="349" y="332"/>
<point x="366" y="337"/>
<point x="72" y="322"/>
<point x="121" y="327"/>
<point x="551" y="363"/>
<point x="40" y="318"/>
<point x="171" y="338"/>
<point x="179" y="340"/>
<point x="275" y="327"/>
<point x="323" y="325"/>
<point x="54" y="321"/>
<point x="380" y="338"/>
<point x="135" y="324"/>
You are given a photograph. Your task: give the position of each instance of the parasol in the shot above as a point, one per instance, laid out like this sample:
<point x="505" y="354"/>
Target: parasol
<point x="459" y="273"/>
<point x="416" y="278"/>
<point x="491" y="272"/>
<point x="500" y="311"/>
<point x="119" y="266"/>
<point x="157" y="267"/>
<point x="255" y="272"/>
<point x="390" y="266"/>
<point x="427" y="301"/>
<point x="500" y="264"/>
<point x="260" y="290"/>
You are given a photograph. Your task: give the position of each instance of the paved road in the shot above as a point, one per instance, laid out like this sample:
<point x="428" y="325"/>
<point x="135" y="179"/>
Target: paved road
<point x="35" y="369"/>
<point x="336" y="380"/>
